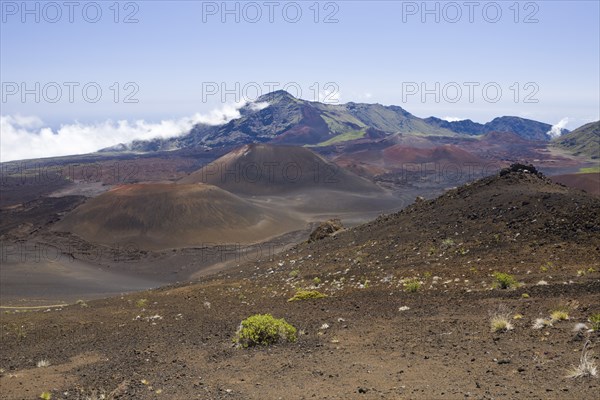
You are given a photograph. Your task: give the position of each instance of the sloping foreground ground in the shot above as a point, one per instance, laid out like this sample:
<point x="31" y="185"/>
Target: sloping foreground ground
<point x="371" y="338"/>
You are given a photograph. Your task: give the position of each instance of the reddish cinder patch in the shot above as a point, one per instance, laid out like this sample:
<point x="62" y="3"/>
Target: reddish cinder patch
<point x="588" y="182"/>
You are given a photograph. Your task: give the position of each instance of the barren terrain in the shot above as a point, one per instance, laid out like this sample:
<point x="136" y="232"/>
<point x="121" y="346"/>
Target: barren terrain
<point x="371" y="337"/>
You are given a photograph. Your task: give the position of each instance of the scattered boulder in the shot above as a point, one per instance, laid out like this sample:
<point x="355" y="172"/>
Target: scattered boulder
<point x="325" y="229"/>
<point x="518" y="167"/>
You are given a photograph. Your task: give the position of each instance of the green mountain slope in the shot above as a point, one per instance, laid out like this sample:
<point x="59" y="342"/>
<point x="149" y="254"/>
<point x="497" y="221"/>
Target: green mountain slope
<point x="584" y="140"/>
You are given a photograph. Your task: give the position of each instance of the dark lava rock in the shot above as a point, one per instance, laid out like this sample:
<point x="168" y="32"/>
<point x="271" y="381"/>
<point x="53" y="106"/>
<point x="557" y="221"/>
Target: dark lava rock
<point x="326" y="229"/>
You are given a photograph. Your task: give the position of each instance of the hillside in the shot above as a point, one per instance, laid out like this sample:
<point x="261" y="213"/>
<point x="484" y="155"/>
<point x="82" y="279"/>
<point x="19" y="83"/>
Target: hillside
<point x="584" y="140"/>
<point x="590" y="182"/>
<point x="518" y="213"/>
<point x="161" y="216"/>
<point x="261" y="169"/>
<point x="399" y="155"/>
<point x="373" y="336"/>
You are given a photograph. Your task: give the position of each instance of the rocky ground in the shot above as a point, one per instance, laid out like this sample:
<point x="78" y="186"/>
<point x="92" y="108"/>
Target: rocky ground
<point x="410" y="297"/>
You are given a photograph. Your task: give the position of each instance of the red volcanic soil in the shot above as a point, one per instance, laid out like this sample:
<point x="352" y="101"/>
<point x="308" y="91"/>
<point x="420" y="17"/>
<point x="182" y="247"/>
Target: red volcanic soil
<point x="366" y="170"/>
<point x="160" y="216"/>
<point x="261" y="169"/>
<point x="588" y="182"/>
<point x="504" y="138"/>
<point x="399" y="154"/>
<point x="505" y="146"/>
<point x="510" y="147"/>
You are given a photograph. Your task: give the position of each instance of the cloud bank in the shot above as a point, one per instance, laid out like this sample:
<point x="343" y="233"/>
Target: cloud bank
<point x="556" y="130"/>
<point x="26" y="137"/>
<point x="452" y="119"/>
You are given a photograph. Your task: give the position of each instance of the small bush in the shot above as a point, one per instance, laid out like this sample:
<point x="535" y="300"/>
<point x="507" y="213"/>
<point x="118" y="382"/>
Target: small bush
<point x="264" y="330"/>
<point x="307" y="294"/>
<point x="294" y="273"/>
<point x="525" y="295"/>
<point x="365" y="283"/>
<point x="504" y="280"/>
<point x="462" y="251"/>
<point x="595" y="321"/>
<point x="141" y="303"/>
<point x="81" y="303"/>
<point x="500" y="322"/>
<point x="317" y="280"/>
<point x="559" y="315"/>
<point x="447" y="243"/>
<point x="43" y="363"/>
<point x="46" y="396"/>
<point x="412" y="285"/>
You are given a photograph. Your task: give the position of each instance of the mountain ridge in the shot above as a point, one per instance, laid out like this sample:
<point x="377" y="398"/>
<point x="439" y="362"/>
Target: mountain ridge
<point x="289" y="120"/>
<point x="584" y="140"/>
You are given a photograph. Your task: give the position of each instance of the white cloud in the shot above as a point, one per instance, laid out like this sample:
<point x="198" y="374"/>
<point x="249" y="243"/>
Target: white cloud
<point x="452" y="119"/>
<point x="556" y="129"/>
<point x="259" y="106"/>
<point x="26" y="137"/>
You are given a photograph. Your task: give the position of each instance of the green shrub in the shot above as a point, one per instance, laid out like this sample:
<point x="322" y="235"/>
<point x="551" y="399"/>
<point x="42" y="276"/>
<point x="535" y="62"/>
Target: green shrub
<point x="307" y="294"/>
<point x="263" y="330"/>
<point x="317" y="280"/>
<point x="141" y="303"/>
<point x="504" y="280"/>
<point x="412" y="285"/>
<point x="595" y="321"/>
<point x="446" y="243"/>
<point x="559" y="315"/>
<point x="81" y="303"/>
<point x="462" y="251"/>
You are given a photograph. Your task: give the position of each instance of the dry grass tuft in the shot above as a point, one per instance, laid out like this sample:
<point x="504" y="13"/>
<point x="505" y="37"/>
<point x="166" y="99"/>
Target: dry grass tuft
<point x="587" y="366"/>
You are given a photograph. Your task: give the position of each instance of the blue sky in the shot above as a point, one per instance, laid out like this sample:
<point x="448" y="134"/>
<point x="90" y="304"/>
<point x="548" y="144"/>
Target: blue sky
<point x="543" y="56"/>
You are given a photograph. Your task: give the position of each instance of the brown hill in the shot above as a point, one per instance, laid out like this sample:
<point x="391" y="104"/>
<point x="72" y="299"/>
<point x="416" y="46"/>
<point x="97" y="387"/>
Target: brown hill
<point x="261" y="169"/>
<point x="159" y="216"/>
<point x="589" y="182"/>
<point x="519" y="202"/>
<point x="518" y="213"/>
<point x="399" y="154"/>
